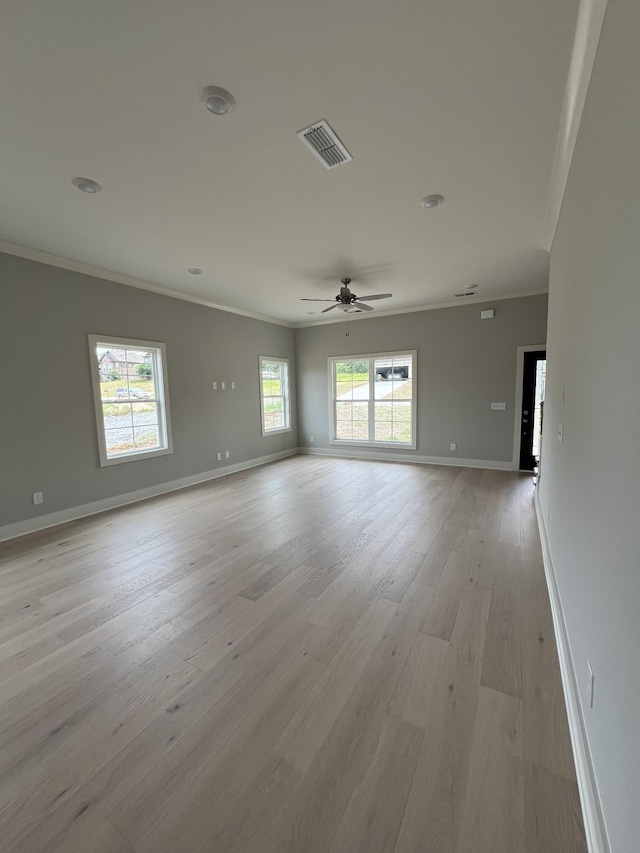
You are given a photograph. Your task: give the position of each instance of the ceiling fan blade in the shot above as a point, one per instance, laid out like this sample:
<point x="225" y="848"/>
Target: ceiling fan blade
<point x="375" y="296"/>
<point x="330" y="308"/>
<point x="307" y="299"/>
<point x="363" y="306"/>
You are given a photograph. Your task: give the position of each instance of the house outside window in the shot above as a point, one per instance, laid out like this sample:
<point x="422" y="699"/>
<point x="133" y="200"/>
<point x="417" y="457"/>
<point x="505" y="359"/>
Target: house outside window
<point x="373" y="399"/>
<point x="275" y="407"/>
<point x="131" y="398"/>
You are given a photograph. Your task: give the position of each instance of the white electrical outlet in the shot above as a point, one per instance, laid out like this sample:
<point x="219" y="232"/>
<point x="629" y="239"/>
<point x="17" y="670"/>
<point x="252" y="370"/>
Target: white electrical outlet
<point x="590" y="682"/>
<point x="218" y="456"/>
<point x="453" y="446"/>
<point x="38" y="498"/>
<point x="498" y="407"/>
<point x="227" y="454"/>
<point x="214" y="385"/>
<point x="233" y="386"/>
<point x="311" y="439"/>
<point x="223" y="385"/>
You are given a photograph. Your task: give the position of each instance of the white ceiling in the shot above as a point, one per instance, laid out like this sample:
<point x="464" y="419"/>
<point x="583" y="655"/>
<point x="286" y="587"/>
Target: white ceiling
<point x="462" y="98"/>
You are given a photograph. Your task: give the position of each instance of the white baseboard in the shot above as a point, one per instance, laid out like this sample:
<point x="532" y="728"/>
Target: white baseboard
<point x="392" y="456"/>
<point x="21" y="528"/>
<point x="594" y="826"/>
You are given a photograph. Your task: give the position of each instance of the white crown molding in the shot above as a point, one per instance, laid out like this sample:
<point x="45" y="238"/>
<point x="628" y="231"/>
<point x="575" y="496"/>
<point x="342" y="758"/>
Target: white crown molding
<point x="52" y="519"/>
<point x="434" y="306"/>
<point x="594" y="825"/>
<point x="590" y="18"/>
<point x="108" y="275"/>
<point x="98" y="272"/>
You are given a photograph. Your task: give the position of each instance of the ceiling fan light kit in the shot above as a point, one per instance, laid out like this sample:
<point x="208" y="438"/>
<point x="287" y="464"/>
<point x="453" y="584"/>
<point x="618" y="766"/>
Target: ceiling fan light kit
<point x="347" y="301"/>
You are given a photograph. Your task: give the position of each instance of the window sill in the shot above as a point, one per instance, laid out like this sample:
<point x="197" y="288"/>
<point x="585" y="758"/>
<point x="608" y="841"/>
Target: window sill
<point x="134" y="457"/>
<point x="268" y="432"/>
<point x="343" y="442"/>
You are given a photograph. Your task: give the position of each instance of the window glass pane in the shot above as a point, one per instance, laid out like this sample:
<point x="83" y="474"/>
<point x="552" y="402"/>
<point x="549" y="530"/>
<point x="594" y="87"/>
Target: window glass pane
<point x="146" y="437"/>
<point x="344" y="430"/>
<point x="352" y="380"/>
<point x="273" y="420"/>
<point x="116" y="415"/>
<point x="144" y="413"/>
<point x="119" y="441"/>
<point x="393" y="378"/>
<point x="393" y="421"/>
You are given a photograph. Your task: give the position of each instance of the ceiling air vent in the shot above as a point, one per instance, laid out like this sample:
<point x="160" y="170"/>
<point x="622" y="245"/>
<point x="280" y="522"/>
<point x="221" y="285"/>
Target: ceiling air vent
<point x="324" y="143"/>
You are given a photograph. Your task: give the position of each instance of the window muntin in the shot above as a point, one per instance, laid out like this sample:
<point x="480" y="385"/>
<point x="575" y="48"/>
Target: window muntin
<point x="131" y="398"/>
<point x="373" y="399"/>
<point x="275" y="410"/>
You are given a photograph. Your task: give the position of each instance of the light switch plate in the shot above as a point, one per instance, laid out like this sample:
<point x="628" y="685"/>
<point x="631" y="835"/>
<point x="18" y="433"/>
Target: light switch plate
<point x="498" y="407"/>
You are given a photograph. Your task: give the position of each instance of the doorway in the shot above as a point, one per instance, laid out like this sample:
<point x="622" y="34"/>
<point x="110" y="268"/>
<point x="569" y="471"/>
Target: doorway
<point x="534" y="376"/>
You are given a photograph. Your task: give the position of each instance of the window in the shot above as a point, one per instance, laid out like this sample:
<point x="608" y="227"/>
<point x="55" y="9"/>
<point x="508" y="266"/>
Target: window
<point x="373" y="399"/>
<point x="274" y="395"/>
<point x="131" y="398"/>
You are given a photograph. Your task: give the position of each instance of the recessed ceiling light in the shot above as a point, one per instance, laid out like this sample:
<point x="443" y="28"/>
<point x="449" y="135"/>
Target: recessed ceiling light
<point x="86" y="185"/>
<point x="218" y="101"/>
<point x="195" y="271"/>
<point x="432" y="200"/>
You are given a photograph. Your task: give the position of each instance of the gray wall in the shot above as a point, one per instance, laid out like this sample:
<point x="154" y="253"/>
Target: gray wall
<point x="48" y="439"/>
<point x="464" y="364"/>
<point x="590" y="484"/>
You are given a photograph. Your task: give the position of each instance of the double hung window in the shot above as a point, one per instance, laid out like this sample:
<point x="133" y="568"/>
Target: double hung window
<point x="373" y="399"/>
<point x="131" y="398"/>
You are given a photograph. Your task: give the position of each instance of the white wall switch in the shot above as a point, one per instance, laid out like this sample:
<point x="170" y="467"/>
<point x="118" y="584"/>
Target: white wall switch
<point x="498" y="407"/>
<point x="453" y="446"/>
<point x="590" y="683"/>
<point x="223" y="385"/>
<point x="560" y="433"/>
<point x="218" y="456"/>
<point x="214" y="385"/>
<point x="233" y="386"/>
<point x="38" y="498"/>
<point x="488" y="314"/>
<point x="227" y="454"/>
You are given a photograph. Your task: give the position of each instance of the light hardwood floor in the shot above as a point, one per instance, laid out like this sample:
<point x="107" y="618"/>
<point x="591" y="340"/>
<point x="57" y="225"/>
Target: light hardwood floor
<point x="318" y="655"/>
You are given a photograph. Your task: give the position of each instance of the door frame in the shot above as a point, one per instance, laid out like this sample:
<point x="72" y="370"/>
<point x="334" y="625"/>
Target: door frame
<point x="518" y="405"/>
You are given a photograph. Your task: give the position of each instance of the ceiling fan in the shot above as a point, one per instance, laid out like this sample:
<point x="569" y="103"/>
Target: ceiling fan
<point x="348" y="301"/>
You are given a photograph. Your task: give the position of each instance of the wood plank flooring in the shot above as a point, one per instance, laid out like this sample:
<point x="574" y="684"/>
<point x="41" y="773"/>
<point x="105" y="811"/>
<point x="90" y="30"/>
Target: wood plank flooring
<point x="316" y="656"/>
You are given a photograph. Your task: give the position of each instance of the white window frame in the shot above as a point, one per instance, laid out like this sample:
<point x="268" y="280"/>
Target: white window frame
<point x="286" y="396"/>
<point x="332" y="361"/>
<point x="160" y="373"/>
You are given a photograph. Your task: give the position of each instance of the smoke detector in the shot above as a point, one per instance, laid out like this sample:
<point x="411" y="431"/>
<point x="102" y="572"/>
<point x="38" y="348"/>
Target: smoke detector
<point x="324" y="144"/>
<point x="218" y="101"/>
